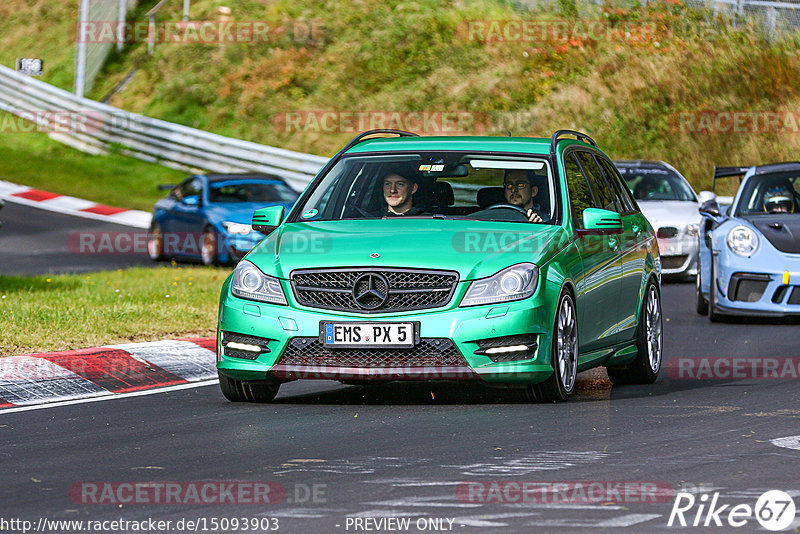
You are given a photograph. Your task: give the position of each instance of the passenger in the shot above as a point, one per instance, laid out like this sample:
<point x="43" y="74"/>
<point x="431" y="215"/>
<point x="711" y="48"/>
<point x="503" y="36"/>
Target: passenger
<point x="521" y="191"/>
<point x="398" y="192"/>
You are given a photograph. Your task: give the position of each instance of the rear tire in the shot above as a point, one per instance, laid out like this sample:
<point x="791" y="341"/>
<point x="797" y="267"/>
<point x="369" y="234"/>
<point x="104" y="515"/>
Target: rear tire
<point x="649" y="335"/>
<point x="241" y="391"/>
<point x="701" y="304"/>
<point x="563" y="355"/>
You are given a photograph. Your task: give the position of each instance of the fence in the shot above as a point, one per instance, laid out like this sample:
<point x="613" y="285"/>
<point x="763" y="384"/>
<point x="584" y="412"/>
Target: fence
<point x="773" y="15"/>
<point x="90" y="56"/>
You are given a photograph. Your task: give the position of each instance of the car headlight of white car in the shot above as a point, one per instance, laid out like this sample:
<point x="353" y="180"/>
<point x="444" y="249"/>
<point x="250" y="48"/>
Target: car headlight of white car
<point x="692" y="230"/>
<point x="514" y="283"/>
<point x="742" y="241"/>
<point x="250" y="283"/>
<point x="237" y="228"/>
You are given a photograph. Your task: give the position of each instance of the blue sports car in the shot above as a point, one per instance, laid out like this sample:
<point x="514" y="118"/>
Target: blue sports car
<point x="207" y="216"/>
<point x="749" y="252"/>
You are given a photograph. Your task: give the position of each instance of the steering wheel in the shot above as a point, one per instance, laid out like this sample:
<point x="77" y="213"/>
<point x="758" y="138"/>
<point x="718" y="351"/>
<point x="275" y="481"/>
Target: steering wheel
<point x="363" y="212"/>
<point x="505" y="206"/>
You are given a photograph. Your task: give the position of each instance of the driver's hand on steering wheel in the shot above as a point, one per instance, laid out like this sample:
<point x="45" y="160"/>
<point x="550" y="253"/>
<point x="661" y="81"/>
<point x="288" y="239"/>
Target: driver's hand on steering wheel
<point x="533" y="216"/>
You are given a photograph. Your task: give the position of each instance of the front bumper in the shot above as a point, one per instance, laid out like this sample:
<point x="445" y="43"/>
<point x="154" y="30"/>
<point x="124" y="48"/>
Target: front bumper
<point x="234" y="247"/>
<point x="678" y="255"/>
<point x="288" y="327"/>
<point x="745" y="290"/>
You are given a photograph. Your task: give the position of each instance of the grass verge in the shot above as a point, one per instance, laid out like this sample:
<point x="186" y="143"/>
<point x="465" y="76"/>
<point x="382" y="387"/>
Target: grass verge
<point x="63" y="312"/>
<point x="33" y="159"/>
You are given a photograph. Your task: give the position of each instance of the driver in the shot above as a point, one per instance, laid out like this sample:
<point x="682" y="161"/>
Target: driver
<point x="398" y="192"/>
<point x="521" y="191"/>
<point x="778" y="199"/>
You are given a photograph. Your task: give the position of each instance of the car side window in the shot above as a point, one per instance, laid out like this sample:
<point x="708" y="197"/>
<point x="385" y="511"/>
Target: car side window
<point x="602" y="194"/>
<point x="190" y="187"/>
<point x="621" y="190"/>
<point x="580" y="196"/>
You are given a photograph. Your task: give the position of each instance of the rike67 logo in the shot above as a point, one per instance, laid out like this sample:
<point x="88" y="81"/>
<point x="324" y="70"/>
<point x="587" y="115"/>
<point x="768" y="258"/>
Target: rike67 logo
<point x="774" y="510"/>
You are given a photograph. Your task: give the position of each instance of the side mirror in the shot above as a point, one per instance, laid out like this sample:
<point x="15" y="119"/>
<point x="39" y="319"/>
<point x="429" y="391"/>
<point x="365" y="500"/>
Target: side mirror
<point x="601" y="222"/>
<point x="705" y="196"/>
<point x="266" y="220"/>
<point x="192" y="200"/>
<point x="710" y="209"/>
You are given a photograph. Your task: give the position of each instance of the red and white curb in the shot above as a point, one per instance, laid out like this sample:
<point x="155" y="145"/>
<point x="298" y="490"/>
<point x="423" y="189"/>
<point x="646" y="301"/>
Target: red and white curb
<point x="103" y="371"/>
<point x="22" y="194"/>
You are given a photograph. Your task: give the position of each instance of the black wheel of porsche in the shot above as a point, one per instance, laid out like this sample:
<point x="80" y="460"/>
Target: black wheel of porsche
<point x="155" y="242"/>
<point x="713" y="315"/>
<point x="701" y="303"/>
<point x="564" y="355"/>
<point x="241" y="391"/>
<point x="649" y="336"/>
<point x="209" y="247"/>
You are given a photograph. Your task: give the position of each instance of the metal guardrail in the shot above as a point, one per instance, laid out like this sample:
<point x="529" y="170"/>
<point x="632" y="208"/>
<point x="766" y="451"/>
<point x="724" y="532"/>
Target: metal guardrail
<point x="103" y="128"/>
<point x="106" y="128"/>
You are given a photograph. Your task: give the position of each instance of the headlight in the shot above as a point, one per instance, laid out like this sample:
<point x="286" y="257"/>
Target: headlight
<point x="515" y="283"/>
<point x="692" y="229"/>
<point x="250" y="283"/>
<point x="742" y="241"/>
<point x="237" y="228"/>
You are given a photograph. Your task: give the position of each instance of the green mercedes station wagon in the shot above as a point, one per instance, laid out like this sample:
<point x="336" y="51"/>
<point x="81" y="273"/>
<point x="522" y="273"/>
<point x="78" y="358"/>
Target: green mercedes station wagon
<point x="513" y="261"/>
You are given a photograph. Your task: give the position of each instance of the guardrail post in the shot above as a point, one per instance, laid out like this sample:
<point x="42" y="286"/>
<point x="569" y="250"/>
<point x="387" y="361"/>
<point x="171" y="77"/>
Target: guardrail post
<point x="186" y="10"/>
<point x="80" y="50"/>
<point x="772" y="22"/>
<point x="151" y="34"/>
<point x="121" y="13"/>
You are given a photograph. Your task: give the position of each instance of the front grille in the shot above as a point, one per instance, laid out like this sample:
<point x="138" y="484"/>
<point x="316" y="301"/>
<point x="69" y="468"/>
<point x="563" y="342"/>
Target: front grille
<point x="745" y="287"/>
<point x="673" y="262"/>
<point x="666" y="232"/>
<point x="402" y="289"/>
<point x="795" y="297"/>
<point x="233" y="337"/>
<point x="430" y="352"/>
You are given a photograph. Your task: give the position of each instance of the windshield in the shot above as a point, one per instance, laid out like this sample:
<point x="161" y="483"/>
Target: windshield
<point x="651" y="183"/>
<point x="455" y="185"/>
<point x="770" y="194"/>
<point x="230" y="191"/>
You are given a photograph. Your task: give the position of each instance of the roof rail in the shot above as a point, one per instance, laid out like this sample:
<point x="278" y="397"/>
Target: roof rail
<point x="360" y="137"/>
<point x="726" y="172"/>
<point x="558" y="133"/>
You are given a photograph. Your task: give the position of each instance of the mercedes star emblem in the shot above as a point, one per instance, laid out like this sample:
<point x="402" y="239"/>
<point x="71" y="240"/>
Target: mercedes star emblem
<point x="371" y="291"/>
<point x="374" y="255"/>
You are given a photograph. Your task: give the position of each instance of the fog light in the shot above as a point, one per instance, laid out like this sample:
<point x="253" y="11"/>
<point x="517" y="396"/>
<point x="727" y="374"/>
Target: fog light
<point x="243" y="346"/>
<point x="503" y="350"/>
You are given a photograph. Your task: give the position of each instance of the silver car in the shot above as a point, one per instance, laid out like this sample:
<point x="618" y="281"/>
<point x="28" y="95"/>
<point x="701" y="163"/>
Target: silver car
<point x="671" y="205"/>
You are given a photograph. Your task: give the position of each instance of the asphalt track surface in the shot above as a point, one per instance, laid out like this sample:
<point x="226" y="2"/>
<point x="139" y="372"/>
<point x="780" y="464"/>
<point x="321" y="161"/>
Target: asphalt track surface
<point x="401" y="450"/>
<point x="37" y="241"/>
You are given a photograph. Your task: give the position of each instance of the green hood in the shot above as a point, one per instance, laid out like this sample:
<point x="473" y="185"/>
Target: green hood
<point x="475" y="249"/>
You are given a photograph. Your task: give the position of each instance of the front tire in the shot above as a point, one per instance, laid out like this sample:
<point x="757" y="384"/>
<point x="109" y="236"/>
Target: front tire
<point x="241" y="391"/>
<point x="155" y="243"/>
<point x="701" y="303"/>
<point x="713" y="315"/>
<point x="649" y="336"/>
<point x="563" y="355"/>
<point x="209" y="247"/>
